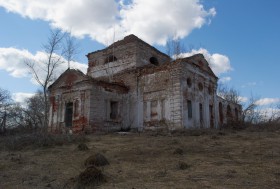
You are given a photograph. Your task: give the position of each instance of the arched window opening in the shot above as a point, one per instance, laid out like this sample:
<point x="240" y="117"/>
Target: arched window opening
<point x="229" y="114"/>
<point x="110" y="58"/>
<point x="154" y="60"/>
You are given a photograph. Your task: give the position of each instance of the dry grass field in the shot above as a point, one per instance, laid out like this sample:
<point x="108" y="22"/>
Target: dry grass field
<point x="197" y="159"/>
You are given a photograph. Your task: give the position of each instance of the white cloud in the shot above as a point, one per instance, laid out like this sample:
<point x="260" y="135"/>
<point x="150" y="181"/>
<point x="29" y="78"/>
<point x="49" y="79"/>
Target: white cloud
<point x="13" y="60"/>
<point x="243" y="99"/>
<point x="153" y="21"/>
<point x="267" y="101"/>
<point x="269" y="113"/>
<point x="219" y="63"/>
<point x="21" y="97"/>
<point x="224" y="79"/>
<point x="157" y="20"/>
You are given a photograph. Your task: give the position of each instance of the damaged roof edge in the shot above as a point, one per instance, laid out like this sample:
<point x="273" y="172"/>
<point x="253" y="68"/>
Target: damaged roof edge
<point x="129" y="39"/>
<point x="64" y="73"/>
<point x="200" y="56"/>
<point x="88" y="78"/>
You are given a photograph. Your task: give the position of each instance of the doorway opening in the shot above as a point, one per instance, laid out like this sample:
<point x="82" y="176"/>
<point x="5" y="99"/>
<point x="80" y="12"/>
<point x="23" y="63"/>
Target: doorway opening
<point x="69" y="114"/>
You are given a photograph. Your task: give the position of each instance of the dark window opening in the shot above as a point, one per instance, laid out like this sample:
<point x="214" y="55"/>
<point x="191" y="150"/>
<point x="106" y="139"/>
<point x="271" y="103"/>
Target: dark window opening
<point x="68" y="114"/>
<point x="229" y="115"/>
<point x="154" y="60"/>
<point x="211" y="116"/>
<point x="200" y="86"/>
<point x="221" y="113"/>
<point x="189" y="82"/>
<point x="114" y="110"/>
<point x="110" y="58"/>
<point x="201" y="112"/>
<point x="189" y="109"/>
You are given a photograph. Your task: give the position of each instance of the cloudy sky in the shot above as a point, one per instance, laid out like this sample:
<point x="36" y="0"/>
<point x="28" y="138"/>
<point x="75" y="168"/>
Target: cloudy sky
<point x="240" y="39"/>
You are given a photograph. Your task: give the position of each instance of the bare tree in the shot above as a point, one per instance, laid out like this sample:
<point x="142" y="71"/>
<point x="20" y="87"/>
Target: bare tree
<point x="229" y="94"/>
<point x="15" y="116"/>
<point x="70" y="49"/>
<point x="47" y="68"/>
<point x="249" y="113"/>
<point x="174" y="48"/>
<point x="28" y="117"/>
<point x="34" y="110"/>
<point x="277" y="119"/>
<point x="5" y="99"/>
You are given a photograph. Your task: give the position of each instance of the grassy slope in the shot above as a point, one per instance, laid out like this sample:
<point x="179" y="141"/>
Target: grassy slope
<point x="235" y="160"/>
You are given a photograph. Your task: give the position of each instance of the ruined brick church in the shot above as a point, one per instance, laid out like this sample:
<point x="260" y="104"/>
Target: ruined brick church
<point x="132" y="85"/>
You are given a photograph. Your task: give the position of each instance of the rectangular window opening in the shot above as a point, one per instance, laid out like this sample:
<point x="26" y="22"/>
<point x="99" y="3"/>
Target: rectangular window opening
<point x="201" y="112"/>
<point x="113" y="110"/>
<point x="189" y="109"/>
<point x="211" y="116"/>
<point x="68" y="114"/>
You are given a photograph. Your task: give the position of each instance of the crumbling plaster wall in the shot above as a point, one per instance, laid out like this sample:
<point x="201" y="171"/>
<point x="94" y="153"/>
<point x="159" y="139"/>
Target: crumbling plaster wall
<point x="132" y="103"/>
<point x="91" y="108"/>
<point x="142" y="89"/>
<point x="199" y="90"/>
<point x="79" y="95"/>
<point x="124" y="70"/>
<point x="160" y="95"/>
<point x="128" y="56"/>
<point x="125" y="55"/>
<point x="100" y="109"/>
<point x="145" y="52"/>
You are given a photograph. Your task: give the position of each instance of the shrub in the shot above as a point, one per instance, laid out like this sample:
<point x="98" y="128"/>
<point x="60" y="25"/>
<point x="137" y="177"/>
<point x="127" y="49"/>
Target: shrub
<point x="82" y="147"/>
<point x="183" y="165"/>
<point x="96" y="160"/>
<point x="178" y="151"/>
<point x="91" y="176"/>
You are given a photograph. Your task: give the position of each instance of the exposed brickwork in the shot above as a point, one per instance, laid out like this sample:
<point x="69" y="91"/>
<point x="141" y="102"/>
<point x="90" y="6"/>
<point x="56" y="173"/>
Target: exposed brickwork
<point x="130" y="84"/>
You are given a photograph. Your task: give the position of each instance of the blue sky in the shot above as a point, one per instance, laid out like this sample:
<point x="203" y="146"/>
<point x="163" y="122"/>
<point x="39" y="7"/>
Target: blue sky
<point x="240" y="38"/>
